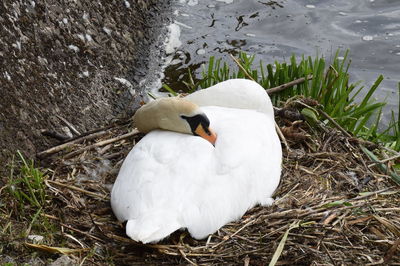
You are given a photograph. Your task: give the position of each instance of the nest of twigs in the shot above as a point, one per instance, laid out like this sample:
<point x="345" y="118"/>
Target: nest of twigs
<point x="333" y="207"/>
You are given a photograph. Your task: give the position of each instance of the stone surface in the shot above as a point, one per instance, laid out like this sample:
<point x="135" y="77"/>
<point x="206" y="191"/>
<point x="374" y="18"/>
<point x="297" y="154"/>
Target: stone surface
<point x="65" y="60"/>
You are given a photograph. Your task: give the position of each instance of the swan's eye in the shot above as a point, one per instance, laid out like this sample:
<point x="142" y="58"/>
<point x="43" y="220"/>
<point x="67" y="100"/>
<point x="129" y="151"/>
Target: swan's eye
<point x="200" y="126"/>
<point x="196" y="120"/>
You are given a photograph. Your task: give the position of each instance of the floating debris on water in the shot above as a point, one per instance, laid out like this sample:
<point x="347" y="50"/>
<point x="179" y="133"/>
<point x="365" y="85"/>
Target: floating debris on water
<point x="193" y="2"/>
<point x="172" y="41"/>
<point x="200" y="51"/>
<point x="367" y="38"/>
<point x="225" y="1"/>
<point x="182" y="24"/>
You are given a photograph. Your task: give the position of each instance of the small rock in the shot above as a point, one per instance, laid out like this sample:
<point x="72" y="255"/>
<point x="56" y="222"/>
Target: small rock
<point x="36" y="238"/>
<point x="64" y="260"/>
<point x="81" y="37"/>
<point x="73" y="48"/>
<point x="107" y="30"/>
<point x="7" y="76"/>
<point x="85" y="17"/>
<point x="127" y="84"/>
<point x="35" y="261"/>
<point x="88" y="38"/>
<point x="67" y="132"/>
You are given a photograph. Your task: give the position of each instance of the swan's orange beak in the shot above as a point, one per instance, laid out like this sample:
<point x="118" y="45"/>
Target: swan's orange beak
<point x="208" y="134"/>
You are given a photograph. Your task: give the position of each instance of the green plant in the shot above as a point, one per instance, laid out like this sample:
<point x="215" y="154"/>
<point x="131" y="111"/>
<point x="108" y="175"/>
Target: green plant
<point x="327" y="83"/>
<point x="26" y="201"/>
<point x="27" y="187"/>
<point x="391" y="135"/>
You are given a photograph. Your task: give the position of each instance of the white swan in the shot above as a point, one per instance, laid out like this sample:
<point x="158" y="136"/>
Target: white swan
<point x="173" y="180"/>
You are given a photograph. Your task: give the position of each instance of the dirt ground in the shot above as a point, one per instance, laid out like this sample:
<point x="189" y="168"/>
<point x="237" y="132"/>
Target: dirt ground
<point x="76" y="62"/>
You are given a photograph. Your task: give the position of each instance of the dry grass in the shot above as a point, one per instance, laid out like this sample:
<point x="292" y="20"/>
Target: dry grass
<point x="339" y="210"/>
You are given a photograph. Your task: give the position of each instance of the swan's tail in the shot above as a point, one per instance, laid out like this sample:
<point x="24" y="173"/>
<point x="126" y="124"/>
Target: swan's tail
<point x="152" y="227"/>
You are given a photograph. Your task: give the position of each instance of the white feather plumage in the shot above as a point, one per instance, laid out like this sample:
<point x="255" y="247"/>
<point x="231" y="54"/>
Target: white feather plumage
<point x="171" y="180"/>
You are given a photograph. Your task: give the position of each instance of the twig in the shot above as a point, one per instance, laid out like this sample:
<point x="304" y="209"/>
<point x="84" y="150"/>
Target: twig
<point x="288" y="85"/>
<point x="74" y="239"/>
<point x="386" y="160"/>
<point x="73" y="129"/>
<point x="246" y="261"/>
<point x="102" y="143"/>
<point x="69" y="144"/>
<point x="184" y="256"/>
<point x="82" y="232"/>
<point x="275" y="89"/>
<point x="122" y="239"/>
<point x="95" y="225"/>
<point x="235" y="233"/>
<point x="105" y="128"/>
<point x="282" y="137"/>
<point x="241" y="67"/>
<point x="93" y="194"/>
<point x="71" y="228"/>
<point x="335" y="123"/>
<point x="50" y="216"/>
<point x="390" y="150"/>
<point x="328" y="253"/>
<point x="391" y="251"/>
<point x="375" y="193"/>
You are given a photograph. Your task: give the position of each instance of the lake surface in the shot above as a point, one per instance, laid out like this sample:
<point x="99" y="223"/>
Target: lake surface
<point x="276" y="30"/>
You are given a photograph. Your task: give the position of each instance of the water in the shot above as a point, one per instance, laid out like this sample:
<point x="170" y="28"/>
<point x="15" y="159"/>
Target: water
<point x="276" y="30"/>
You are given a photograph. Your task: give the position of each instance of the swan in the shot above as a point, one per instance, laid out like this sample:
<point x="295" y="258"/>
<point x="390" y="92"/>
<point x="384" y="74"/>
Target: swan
<point x="206" y="160"/>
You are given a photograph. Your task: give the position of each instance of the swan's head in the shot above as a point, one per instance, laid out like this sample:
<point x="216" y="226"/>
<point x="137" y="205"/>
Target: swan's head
<point x="174" y="114"/>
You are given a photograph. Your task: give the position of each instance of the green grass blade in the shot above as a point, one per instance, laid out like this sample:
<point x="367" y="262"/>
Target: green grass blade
<point x="168" y="88"/>
<point x="281" y="245"/>
<point x="372" y="90"/>
<point x="382" y="166"/>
